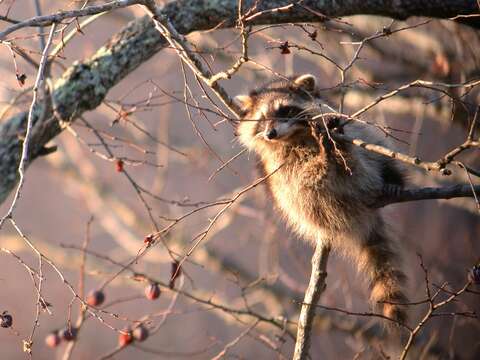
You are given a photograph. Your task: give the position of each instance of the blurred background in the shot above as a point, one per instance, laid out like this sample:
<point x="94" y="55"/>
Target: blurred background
<point x="248" y="260"/>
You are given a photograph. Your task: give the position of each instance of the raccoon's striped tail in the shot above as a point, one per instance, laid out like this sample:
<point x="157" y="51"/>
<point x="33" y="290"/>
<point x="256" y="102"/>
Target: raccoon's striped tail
<point x="381" y="261"/>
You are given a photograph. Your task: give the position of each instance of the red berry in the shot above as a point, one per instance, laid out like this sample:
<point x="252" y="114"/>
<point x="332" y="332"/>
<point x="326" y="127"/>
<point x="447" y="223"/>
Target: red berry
<point x="6" y="320"/>
<point x="119" y="165"/>
<point x="52" y="340"/>
<point x="140" y="333"/>
<point x="68" y="333"/>
<point x="152" y="291"/>
<point x="125" y="338"/>
<point x="95" y="298"/>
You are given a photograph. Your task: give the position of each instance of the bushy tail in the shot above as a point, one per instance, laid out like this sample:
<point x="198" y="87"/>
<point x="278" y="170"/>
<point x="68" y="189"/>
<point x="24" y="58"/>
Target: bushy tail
<point x="381" y="261"/>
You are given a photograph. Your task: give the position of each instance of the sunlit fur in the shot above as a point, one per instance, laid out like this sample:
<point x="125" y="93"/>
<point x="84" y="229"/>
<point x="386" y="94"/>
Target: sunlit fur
<point x="318" y="196"/>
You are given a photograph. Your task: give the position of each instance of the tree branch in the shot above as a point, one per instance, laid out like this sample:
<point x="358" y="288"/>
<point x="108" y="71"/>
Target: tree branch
<point x="427" y="193"/>
<point x="312" y="295"/>
<point x="85" y="84"/>
<point x="46" y="20"/>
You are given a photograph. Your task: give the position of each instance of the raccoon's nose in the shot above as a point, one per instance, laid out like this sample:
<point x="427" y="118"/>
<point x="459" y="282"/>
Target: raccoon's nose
<point x="271" y="134"/>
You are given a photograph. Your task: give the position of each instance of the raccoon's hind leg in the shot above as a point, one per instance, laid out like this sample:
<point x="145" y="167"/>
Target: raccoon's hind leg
<point x="381" y="261"/>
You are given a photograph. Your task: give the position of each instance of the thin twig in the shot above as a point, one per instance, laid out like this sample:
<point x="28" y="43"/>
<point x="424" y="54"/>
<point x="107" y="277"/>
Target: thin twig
<point x="234" y="342"/>
<point x="81" y="292"/>
<point x="26" y="141"/>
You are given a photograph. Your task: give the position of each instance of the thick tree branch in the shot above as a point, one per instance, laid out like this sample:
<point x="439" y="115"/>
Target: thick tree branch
<point x="85" y="84"/>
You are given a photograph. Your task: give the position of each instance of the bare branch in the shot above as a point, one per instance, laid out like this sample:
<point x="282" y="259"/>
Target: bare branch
<point x="26" y="141"/>
<point x="312" y="295"/>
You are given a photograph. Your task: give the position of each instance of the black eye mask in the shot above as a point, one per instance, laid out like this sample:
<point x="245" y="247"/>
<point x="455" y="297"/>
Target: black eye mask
<point x="284" y="113"/>
<point x="288" y="112"/>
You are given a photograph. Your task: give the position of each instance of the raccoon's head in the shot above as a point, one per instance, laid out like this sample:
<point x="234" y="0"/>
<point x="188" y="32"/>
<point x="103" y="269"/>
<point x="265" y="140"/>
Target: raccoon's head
<point x="277" y="111"/>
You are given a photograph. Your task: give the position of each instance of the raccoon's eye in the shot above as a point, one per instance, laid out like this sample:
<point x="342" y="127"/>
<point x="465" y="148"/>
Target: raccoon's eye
<point x="287" y="112"/>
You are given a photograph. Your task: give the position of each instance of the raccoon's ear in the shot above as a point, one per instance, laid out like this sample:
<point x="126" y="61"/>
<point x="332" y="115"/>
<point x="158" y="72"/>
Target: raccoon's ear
<point x="307" y="82"/>
<point x="244" y="102"/>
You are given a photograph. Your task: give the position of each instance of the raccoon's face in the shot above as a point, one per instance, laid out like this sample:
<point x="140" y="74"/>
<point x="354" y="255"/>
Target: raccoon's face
<point x="277" y="111"/>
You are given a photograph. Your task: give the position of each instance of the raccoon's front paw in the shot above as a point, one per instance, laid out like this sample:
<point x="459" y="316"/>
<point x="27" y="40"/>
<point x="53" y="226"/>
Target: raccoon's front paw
<point x="325" y="123"/>
<point x="332" y="122"/>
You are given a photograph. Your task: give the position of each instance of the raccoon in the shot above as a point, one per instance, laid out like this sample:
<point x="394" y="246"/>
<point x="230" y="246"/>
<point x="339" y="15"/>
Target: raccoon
<point x="324" y="189"/>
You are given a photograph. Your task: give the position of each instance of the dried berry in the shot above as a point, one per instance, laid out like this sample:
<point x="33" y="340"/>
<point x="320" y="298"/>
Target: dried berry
<point x="140" y="333"/>
<point x="148" y="240"/>
<point x="474" y="275"/>
<point x="52" y="340"/>
<point x="175" y="272"/>
<point x="6" y="320"/>
<point x="313" y="35"/>
<point x="284" y="48"/>
<point x="125" y="338"/>
<point x="21" y="79"/>
<point x="68" y="333"/>
<point x="152" y="291"/>
<point x="95" y="298"/>
<point x="119" y="165"/>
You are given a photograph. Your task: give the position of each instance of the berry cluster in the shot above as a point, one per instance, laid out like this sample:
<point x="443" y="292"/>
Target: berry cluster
<point x="56" y="337"/>
<point x="127" y="336"/>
